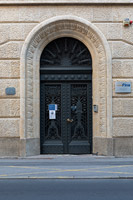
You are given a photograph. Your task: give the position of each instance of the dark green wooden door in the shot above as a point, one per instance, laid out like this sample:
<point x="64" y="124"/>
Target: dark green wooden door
<point x="69" y="87"/>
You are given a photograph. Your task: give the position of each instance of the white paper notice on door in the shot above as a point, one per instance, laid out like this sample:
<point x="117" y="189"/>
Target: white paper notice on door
<point x="52" y="114"/>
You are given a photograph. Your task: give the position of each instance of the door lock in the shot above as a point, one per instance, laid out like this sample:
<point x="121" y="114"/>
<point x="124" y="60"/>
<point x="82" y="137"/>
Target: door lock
<point x="69" y="120"/>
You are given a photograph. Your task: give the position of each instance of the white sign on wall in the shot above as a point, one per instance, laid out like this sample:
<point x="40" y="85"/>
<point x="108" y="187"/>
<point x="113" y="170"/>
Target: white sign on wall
<point x="122" y="87"/>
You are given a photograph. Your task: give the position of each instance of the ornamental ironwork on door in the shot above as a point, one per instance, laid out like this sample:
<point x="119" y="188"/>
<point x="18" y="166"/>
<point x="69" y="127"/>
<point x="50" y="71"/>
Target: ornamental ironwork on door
<point x="65" y="74"/>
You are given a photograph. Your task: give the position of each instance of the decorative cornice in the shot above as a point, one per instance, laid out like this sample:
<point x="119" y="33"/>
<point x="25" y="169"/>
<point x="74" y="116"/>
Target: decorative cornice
<point x="68" y="2"/>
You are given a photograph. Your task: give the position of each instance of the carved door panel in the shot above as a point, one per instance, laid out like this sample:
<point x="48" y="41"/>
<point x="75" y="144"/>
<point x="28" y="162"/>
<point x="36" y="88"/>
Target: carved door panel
<point x="81" y="119"/>
<point x="71" y="131"/>
<point x="51" y="137"/>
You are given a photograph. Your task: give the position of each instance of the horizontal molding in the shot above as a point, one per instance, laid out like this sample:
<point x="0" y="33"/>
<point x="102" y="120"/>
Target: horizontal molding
<point x="10" y="42"/>
<point x="66" y="1"/>
<point x="9" y="97"/>
<point x="122" y="97"/>
<point x="7" y="2"/>
<point x="122" y="137"/>
<point x="11" y="137"/>
<point x="9" y="117"/>
<point x="7" y="41"/>
<point x="125" y="58"/>
<point x="123" y="116"/>
<point x="19" y="22"/>
<point x="9" y="59"/>
<point x="120" y="40"/>
<point x="107" y="22"/>
<point x="125" y="78"/>
<point x="109" y="40"/>
<point x="10" y="78"/>
<point x="5" y="59"/>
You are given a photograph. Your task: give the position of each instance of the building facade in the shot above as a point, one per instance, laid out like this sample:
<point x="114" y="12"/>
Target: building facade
<point x="66" y="76"/>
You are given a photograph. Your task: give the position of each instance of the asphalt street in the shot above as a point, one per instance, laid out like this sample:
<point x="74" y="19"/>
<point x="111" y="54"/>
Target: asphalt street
<point x="75" y="189"/>
<point x="66" y="167"/>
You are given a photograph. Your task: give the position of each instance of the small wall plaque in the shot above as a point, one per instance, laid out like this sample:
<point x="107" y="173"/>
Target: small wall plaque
<point x="122" y="87"/>
<point x="95" y="108"/>
<point x="10" y="91"/>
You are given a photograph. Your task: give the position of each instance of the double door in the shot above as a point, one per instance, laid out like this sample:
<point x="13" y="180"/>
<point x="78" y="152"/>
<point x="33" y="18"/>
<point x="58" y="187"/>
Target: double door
<point x="70" y="130"/>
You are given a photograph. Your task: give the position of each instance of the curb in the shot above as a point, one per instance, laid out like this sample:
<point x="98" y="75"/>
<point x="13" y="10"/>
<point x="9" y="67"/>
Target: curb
<point x="53" y="156"/>
<point x="66" y="177"/>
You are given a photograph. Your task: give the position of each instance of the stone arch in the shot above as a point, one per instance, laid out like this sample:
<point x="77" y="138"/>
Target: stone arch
<point x="39" y="37"/>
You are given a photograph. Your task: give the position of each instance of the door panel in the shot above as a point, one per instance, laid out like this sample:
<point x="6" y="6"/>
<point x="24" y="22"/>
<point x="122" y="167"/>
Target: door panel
<point x="79" y="138"/>
<point x="70" y="132"/>
<point x="51" y="138"/>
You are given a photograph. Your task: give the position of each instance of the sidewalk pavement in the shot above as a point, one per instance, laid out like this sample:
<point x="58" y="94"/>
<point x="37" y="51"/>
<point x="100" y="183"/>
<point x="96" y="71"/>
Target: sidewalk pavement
<point x="66" y="167"/>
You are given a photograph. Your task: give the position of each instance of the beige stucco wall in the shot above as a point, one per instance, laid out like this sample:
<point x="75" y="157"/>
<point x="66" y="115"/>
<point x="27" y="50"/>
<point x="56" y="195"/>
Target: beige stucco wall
<point x="16" y="22"/>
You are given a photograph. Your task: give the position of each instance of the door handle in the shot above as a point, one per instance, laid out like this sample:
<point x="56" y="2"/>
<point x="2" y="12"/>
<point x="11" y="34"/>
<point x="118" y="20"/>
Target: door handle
<point x="69" y="120"/>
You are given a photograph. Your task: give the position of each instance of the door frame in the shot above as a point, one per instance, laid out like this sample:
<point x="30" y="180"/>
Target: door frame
<point x="94" y="40"/>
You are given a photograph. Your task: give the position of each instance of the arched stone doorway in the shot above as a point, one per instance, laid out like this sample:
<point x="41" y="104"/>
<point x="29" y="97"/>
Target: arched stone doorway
<point x="66" y="87"/>
<point x="93" y="39"/>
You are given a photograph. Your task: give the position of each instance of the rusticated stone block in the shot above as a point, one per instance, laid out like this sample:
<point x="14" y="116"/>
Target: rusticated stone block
<point x="9" y="127"/>
<point x="10" y="50"/>
<point x="29" y="13"/>
<point x="10" y="146"/>
<point x="102" y="13"/>
<point x="14" y="31"/>
<point x="124" y="94"/>
<point x="4" y="34"/>
<point x="122" y="12"/>
<point x="29" y="147"/>
<point x="114" y="31"/>
<point x="9" y="69"/>
<point x="123" y="146"/>
<point x="122" y="68"/>
<point x="122" y="127"/>
<point x="19" y="14"/>
<point x="103" y="146"/>
<point x="52" y="11"/>
<point x="9" y="108"/>
<point x="9" y="83"/>
<point x="127" y="34"/>
<point x="103" y="28"/>
<point x="9" y="13"/>
<point x="117" y="31"/>
<point x="122" y="107"/>
<point x="121" y="50"/>
<point x="20" y="31"/>
<point x="111" y="31"/>
<point x="27" y="28"/>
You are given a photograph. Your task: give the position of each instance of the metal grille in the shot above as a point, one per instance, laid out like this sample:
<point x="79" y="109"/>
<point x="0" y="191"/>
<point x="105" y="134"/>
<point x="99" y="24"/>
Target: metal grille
<point x="66" y="53"/>
<point x="53" y="127"/>
<point x="79" y="112"/>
